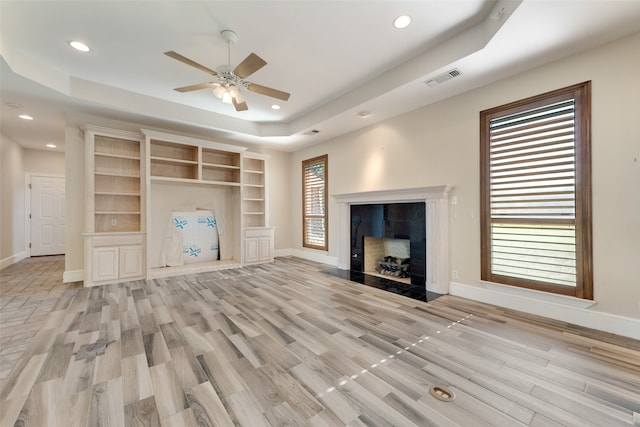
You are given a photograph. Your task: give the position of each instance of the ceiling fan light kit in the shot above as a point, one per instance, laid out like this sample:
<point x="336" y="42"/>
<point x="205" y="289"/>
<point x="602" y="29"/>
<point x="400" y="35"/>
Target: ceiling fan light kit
<point x="231" y="80"/>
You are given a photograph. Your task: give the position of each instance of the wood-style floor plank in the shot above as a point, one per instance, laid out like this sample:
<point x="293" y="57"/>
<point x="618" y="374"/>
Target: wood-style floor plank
<point x="286" y="344"/>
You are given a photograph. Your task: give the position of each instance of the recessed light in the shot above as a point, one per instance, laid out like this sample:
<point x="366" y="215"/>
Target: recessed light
<point x="402" y="21"/>
<point x="275" y="107"/>
<point x="364" y="113"/>
<point x="79" y="46"/>
<point x="51" y="145"/>
<point x="13" y="105"/>
<point x="25" y="117"/>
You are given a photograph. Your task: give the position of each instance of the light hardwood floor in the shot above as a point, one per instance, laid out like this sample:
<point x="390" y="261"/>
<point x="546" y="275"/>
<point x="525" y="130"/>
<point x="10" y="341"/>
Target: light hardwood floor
<point x="285" y="344"/>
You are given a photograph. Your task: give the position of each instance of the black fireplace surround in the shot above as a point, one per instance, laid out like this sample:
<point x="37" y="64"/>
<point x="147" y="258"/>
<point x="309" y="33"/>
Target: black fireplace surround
<point x="391" y="221"/>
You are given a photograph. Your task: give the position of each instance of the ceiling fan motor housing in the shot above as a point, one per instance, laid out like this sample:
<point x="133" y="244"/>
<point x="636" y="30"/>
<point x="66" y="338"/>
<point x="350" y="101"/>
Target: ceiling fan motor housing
<point x="229" y="36"/>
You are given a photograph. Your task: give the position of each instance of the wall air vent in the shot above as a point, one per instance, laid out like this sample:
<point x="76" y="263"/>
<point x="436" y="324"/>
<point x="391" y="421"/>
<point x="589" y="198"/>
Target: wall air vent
<point x="311" y="132"/>
<point x="438" y="80"/>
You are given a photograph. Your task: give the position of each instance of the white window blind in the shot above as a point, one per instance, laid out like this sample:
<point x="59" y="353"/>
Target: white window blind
<point x="535" y="175"/>
<point x="532" y="168"/>
<point x="314" y="199"/>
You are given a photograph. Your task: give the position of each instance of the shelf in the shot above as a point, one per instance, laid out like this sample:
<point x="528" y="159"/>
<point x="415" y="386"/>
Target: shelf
<point x="250" y="199"/>
<point x="173" y="151"/>
<point x="219" y="166"/>
<point x="195" y="181"/>
<point x="174" y="169"/>
<point x="253" y="185"/>
<point x="116" y="165"/>
<point x="254" y="221"/>
<point x="115" y="193"/>
<point x="221" y="174"/>
<point x="116" y="213"/>
<point x="118" y="175"/>
<point x="167" y="160"/>
<point x="117" y="156"/>
<point x="215" y="157"/>
<point x="254" y="213"/>
<point x="114" y="185"/>
<point x="253" y="178"/>
<point x="222" y="183"/>
<point x="109" y="222"/>
<point x="116" y="147"/>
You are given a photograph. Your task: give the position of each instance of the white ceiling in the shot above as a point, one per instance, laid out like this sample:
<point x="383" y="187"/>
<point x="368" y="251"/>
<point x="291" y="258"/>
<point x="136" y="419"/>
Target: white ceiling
<point x="336" y="58"/>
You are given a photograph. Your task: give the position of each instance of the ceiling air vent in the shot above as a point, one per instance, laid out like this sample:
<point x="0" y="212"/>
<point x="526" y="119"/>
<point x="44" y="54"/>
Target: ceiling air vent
<point x="437" y="80"/>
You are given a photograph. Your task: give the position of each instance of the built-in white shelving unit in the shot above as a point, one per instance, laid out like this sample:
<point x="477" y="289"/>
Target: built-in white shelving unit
<point x="136" y="180"/>
<point x="258" y="237"/>
<point x="114" y="195"/>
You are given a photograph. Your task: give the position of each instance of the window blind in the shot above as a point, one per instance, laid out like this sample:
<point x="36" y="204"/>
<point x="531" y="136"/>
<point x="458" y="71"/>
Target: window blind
<point x="314" y="199"/>
<point x="532" y="194"/>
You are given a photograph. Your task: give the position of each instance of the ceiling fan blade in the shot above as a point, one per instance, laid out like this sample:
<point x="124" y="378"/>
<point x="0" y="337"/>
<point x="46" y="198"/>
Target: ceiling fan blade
<point x="250" y="65"/>
<point x="185" y="60"/>
<point x="263" y="90"/>
<point x="195" y="87"/>
<point x="240" y="106"/>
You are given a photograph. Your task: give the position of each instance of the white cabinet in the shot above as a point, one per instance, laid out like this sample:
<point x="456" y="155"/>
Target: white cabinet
<point x="113" y="257"/>
<point x="258" y="245"/>
<point x="104" y="263"/>
<point x="130" y="262"/>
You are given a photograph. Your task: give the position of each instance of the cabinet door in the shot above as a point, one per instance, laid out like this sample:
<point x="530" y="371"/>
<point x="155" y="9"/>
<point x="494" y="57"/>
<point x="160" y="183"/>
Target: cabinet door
<point x="266" y="249"/>
<point x="130" y="261"/>
<point x="251" y="250"/>
<point x="105" y="264"/>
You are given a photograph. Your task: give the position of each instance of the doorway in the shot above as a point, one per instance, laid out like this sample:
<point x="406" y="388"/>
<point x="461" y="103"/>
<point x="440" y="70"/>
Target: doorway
<point x="47" y="215"/>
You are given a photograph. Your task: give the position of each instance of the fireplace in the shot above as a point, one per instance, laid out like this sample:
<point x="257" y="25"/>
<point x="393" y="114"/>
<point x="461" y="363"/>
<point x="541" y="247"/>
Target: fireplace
<point x="389" y="240"/>
<point x="432" y="261"/>
<point x="388" y="258"/>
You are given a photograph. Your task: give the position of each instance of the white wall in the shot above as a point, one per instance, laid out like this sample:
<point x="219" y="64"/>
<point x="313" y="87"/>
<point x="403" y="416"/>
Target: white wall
<point x="74" y="194"/>
<point x="16" y="162"/>
<point x="279" y="193"/>
<point x="44" y="162"/>
<point x="439" y="144"/>
<point x="12" y="197"/>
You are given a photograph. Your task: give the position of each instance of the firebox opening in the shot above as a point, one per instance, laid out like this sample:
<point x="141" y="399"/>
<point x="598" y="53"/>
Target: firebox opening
<point x="389" y="258"/>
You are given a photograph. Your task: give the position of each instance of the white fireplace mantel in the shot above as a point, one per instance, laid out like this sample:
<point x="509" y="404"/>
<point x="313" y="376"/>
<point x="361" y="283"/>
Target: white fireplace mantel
<point x="436" y="200"/>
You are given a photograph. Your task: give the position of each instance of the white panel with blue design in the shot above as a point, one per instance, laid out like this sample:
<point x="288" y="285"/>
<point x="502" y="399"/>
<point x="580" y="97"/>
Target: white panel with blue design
<point x="199" y="235"/>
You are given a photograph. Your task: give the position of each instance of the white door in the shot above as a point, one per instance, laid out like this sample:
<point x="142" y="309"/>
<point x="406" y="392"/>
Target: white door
<point x="47" y="215"/>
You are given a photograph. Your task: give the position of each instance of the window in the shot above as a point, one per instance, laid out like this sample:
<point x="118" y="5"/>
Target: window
<point x="314" y="203"/>
<point x="536" y="192"/>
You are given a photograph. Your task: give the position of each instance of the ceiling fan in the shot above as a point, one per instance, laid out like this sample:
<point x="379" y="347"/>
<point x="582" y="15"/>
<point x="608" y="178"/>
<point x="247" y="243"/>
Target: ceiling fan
<point x="231" y="81"/>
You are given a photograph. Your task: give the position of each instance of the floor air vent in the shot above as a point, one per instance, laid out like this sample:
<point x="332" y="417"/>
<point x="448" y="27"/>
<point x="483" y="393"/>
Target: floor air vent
<point x="442" y="393"/>
<point x="438" y="80"/>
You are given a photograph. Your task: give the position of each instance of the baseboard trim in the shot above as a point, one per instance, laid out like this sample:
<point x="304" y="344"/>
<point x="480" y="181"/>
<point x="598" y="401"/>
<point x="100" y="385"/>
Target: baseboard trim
<point x="12" y="259"/>
<point x="282" y="252"/>
<point x="587" y="317"/>
<point x="316" y="256"/>
<point x="73" y="276"/>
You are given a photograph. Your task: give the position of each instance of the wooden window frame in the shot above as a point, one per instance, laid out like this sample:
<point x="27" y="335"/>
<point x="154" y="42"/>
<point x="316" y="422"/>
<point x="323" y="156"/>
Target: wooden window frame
<point x="325" y="160"/>
<point x="583" y="211"/>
